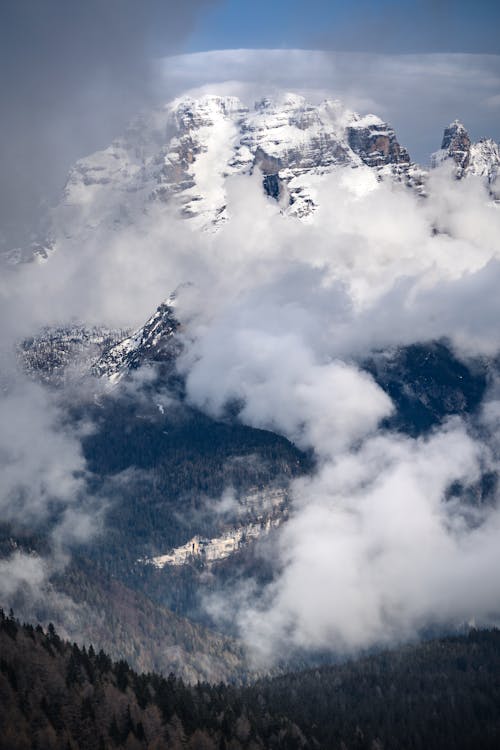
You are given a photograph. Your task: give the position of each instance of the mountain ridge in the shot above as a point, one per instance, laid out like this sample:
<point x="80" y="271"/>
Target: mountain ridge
<point x="180" y="155"/>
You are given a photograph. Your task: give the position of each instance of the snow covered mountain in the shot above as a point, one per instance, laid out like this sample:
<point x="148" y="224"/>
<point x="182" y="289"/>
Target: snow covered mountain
<point x="179" y="157"/>
<point x="183" y="154"/>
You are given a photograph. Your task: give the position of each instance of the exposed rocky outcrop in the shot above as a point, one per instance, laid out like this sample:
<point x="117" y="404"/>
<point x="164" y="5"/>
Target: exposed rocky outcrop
<point x="375" y="142"/>
<point x="57" y="354"/>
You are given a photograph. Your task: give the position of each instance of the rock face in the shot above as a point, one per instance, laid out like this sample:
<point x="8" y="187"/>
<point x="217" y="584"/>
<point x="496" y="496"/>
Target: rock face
<point x="375" y="142"/>
<point x="207" y="551"/>
<point x="255" y="513"/>
<point x="485" y="162"/>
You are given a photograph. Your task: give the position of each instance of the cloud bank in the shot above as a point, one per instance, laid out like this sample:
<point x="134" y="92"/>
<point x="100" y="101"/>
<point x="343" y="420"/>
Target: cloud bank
<point x="376" y="550"/>
<point x="419" y="94"/>
<point x="276" y="320"/>
<point x="71" y="75"/>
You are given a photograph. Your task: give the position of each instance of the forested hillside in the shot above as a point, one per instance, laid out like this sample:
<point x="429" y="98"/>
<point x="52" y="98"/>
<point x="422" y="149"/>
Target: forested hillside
<point x="440" y="694"/>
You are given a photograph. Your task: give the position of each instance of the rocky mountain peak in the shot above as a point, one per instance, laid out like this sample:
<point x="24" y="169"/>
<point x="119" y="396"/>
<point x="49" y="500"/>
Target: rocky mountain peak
<point x="481" y="159"/>
<point x="455" y="145"/>
<point x="183" y="153"/>
<point x="455" y="129"/>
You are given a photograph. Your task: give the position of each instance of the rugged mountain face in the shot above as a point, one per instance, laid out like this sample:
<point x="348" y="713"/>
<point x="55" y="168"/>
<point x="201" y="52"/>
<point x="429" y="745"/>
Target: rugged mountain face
<point x="56" y="354"/>
<point x="485" y="162"/>
<point x="375" y="142"/>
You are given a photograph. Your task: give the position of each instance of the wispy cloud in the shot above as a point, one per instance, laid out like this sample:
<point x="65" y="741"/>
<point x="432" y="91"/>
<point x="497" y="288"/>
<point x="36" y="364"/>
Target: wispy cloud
<point x="418" y="93"/>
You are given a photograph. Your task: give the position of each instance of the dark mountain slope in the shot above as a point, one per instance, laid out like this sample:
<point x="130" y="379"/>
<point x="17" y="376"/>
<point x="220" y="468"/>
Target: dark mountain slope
<point x="428" y="383"/>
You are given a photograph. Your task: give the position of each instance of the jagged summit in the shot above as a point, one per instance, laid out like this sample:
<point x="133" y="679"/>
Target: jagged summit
<point x="456" y="143"/>
<point x="481" y="159"/>
<point x="454" y="128"/>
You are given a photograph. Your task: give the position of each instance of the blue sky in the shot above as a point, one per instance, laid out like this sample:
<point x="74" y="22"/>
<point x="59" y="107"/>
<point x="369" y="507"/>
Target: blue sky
<point x="364" y="25"/>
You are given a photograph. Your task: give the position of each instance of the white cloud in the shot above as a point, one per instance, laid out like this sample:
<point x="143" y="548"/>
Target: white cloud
<point x="374" y="552"/>
<point x="41" y="460"/>
<point x="277" y="317"/>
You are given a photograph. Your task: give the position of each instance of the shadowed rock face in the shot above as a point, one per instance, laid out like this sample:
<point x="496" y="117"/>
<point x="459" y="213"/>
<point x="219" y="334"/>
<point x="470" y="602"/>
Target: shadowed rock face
<point x="377" y="145"/>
